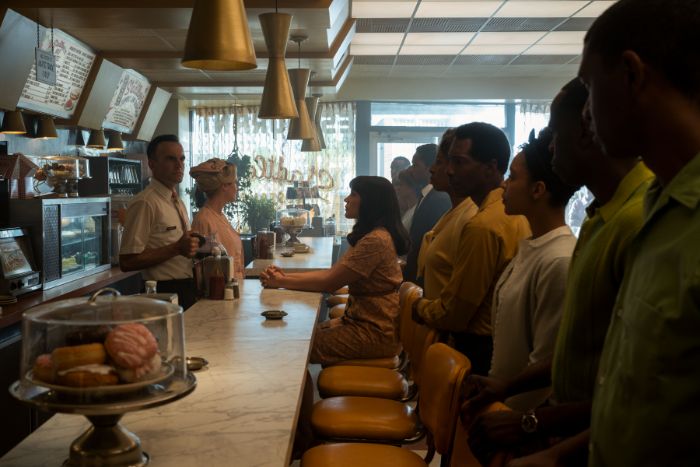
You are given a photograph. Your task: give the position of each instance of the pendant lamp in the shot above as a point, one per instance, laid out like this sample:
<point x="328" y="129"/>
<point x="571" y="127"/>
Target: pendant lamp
<point x="75" y="138"/>
<point x="218" y="37"/>
<point x="96" y="140"/>
<point x="312" y="144"/>
<point x="300" y="127"/>
<point x="114" y="143"/>
<point x="277" y="97"/>
<point x="317" y="123"/>
<point x="13" y="123"/>
<point x="46" y="129"/>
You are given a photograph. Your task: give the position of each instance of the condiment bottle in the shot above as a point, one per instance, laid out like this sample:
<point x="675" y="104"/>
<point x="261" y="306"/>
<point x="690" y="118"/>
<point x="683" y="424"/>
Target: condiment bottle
<point x="151" y="286"/>
<point x="217" y="281"/>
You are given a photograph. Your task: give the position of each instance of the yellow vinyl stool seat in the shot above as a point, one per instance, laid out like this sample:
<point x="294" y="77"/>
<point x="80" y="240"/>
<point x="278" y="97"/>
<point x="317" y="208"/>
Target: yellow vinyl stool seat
<point x="384" y="362"/>
<point x="348" y="380"/>
<point x="334" y="300"/>
<point x="359" y="455"/>
<point x="336" y="311"/>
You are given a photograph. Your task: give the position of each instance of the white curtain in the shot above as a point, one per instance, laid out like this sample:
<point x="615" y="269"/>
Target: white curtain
<point x="530" y="116"/>
<point x="265" y="141"/>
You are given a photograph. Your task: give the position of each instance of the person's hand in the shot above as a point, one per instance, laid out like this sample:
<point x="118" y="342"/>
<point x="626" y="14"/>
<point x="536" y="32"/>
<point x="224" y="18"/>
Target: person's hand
<point x="546" y="458"/>
<point x="270" y="276"/>
<point x="480" y="391"/>
<point x="187" y="245"/>
<point x="495" y="431"/>
<point x="414" y="312"/>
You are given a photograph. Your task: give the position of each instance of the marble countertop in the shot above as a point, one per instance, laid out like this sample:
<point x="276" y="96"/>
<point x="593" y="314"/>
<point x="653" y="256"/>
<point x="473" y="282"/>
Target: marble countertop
<point x="244" y="409"/>
<point x="320" y="256"/>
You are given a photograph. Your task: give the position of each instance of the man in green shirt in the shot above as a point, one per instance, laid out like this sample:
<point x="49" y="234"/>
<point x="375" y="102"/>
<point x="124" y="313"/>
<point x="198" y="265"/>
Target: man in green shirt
<point x="641" y="65"/>
<point x="595" y="274"/>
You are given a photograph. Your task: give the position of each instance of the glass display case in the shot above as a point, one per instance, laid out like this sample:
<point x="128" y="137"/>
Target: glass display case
<point x="61" y="174"/>
<point x="71" y="235"/>
<point x="293" y="221"/>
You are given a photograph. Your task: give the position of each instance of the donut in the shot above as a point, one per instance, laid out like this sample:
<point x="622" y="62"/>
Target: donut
<point x="77" y="355"/>
<point x="87" y="335"/>
<point x="132" y="375"/>
<point x="131" y="345"/>
<point x="43" y="368"/>
<point x="86" y="376"/>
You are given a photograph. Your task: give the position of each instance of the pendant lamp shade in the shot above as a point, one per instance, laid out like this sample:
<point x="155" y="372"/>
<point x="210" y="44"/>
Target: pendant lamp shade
<point x="300" y="127"/>
<point x="277" y="97"/>
<point x="317" y="124"/>
<point x="46" y="129"/>
<point x="218" y="37"/>
<point x="97" y="139"/>
<point x="13" y="123"/>
<point x="115" y="142"/>
<point x="75" y="138"/>
<point x="311" y="144"/>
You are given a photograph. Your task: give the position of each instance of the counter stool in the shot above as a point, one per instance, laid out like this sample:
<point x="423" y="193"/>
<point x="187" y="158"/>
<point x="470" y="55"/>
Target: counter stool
<point x="381" y="420"/>
<point x="349" y="380"/>
<point x="461" y="454"/>
<point x="336" y="311"/>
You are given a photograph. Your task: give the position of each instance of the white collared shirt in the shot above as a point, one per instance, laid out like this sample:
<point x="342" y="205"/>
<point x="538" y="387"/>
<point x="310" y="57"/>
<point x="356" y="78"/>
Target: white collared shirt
<point x="152" y="221"/>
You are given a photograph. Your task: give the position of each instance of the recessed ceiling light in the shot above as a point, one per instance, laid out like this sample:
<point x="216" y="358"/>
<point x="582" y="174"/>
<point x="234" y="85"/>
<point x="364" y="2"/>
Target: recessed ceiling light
<point x="514" y="49"/>
<point x="564" y="37"/>
<point x="507" y="38"/>
<point x="540" y="9"/>
<point x="430" y="49"/>
<point x="438" y="38"/>
<point x="373" y="49"/>
<point x="372" y="9"/>
<point x="377" y="38"/>
<point x="554" y="50"/>
<point x="455" y="9"/>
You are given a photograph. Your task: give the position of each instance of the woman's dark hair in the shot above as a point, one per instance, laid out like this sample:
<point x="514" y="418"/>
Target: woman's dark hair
<point x="378" y="208"/>
<point x="538" y="159"/>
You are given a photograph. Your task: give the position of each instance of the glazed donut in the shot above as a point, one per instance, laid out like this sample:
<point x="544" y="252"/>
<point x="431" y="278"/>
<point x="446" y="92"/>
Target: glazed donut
<point x="131" y="345"/>
<point x="77" y="355"/>
<point x="43" y="368"/>
<point x="88" y="376"/>
<point x="131" y="375"/>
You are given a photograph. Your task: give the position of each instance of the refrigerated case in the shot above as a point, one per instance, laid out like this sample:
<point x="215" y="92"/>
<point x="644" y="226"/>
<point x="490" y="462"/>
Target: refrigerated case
<point x="112" y="176"/>
<point x="74" y="238"/>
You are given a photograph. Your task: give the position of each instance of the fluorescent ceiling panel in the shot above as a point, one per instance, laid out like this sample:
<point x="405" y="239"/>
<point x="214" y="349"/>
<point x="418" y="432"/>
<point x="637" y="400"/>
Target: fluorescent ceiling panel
<point x="373" y="49"/>
<point x="438" y="38"/>
<point x="455" y="9"/>
<point x="377" y="38"/>
<point x="372" y="9"/>
<point x="507" y="38"/>
<point x="494" y="49"/>
<point x="564" y="37"/>
<point x="554" y="50"/>
<point x="593" y="10"/>
<point x="540" y="9"/>
<point x="430" y="49"/>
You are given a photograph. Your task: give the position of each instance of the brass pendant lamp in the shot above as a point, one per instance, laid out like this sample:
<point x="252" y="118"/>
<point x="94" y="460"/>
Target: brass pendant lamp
<point x="13" y="123"/>
<point x="219" y="37"/>
<point x="277" y="99"/>
<point x="96" y="140"/>
<point x="114" y="142"/>
<point x="300" y="127"/>
<point x="312" y="144"/>
<point x="46" y="129"/>
<point x="317" y="123"/>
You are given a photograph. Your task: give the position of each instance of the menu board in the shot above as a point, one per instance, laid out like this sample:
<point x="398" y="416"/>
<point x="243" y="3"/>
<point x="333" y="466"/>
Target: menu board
<point x="127" y="102"/>
<point x="73" y="63"/>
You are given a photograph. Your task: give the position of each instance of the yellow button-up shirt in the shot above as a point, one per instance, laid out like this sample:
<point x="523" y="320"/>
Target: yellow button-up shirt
<point x="482" y="248"/>
<point x="645" y="406"/>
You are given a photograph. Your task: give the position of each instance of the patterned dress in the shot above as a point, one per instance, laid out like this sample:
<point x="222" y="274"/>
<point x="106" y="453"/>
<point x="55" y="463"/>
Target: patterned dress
<point x="369" y="328"/>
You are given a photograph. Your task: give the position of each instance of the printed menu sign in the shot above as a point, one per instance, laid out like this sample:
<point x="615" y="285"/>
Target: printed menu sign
<point x="73" y="63"/>
<point x="127" y="102"/>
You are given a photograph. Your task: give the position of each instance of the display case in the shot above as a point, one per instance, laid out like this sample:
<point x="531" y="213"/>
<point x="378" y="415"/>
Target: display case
<point x="112" y="176"/>
<point x="74" y="235"/>
<point x="61" y="174"/>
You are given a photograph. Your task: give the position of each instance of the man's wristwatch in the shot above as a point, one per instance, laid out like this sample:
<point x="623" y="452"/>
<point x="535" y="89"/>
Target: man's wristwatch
<point x="529" y="421"/>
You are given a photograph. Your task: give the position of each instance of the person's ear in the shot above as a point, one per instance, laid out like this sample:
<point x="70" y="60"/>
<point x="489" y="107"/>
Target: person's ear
<point x="635" y="71"/>
<point x="538" y="190"/>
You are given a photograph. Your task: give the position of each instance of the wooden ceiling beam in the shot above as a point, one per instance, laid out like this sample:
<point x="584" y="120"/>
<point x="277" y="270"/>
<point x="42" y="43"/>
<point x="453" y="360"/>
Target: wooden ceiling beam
<point x="16" y="4"/>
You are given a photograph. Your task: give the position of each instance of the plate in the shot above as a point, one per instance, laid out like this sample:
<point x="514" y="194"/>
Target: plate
<point x="274" y="314"/>
<point x="166" y="370"/>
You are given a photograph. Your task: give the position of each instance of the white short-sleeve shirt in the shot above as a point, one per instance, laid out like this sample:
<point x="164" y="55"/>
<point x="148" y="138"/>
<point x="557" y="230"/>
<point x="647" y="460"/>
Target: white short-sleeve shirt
<point x="152" y="221"/>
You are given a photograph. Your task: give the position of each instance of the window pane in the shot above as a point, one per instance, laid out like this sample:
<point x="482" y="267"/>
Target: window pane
<point x="436" y="115"/>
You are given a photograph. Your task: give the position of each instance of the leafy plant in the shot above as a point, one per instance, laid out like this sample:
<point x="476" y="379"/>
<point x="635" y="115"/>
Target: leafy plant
<point x="255" y="211"/>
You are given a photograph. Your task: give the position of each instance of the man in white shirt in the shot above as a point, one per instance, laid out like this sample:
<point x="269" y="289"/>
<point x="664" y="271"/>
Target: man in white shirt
<point x="157" y="237"/>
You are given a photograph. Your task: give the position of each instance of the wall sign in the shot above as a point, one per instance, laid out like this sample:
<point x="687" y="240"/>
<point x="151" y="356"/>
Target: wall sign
<point x="73" y="61"/>
<point x="45" y="67"/>
<point x="127" y="102"/>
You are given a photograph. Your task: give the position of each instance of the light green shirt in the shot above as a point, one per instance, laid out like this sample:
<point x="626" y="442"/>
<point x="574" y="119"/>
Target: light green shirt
<point x="595" y="275"/>
<point x="646" y="409"/>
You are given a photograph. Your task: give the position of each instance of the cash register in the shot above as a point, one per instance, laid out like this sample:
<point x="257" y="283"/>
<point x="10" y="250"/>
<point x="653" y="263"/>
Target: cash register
<point x="18" y="272"/>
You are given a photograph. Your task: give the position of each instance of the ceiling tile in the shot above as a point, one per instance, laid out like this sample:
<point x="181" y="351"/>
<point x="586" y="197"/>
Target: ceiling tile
<point x="494" y="49"/>
<point x="506" y="38"/>
<point x="575" y="24"/>
<point x="564" y="37"/>
<point x="431" y="49"/>
<point x="376" y="38"/>
<point x="447" y="24"/>
<point x="594" y="10"/>
<point x="456" y="9"/>
<point x="522" y="24"/>
<point x="431" y="60"/>
<point x="427" y="38"/>
<point x="540" y="9"/>
<point x="484" y="59"/>
<point x="543" y="59"/>
<point x="374" y="60"/>
<point x="373" y="49"/>
<point x="387" y="25"/>
<point x="372" y="9"/>
<point x="554" y="49"/>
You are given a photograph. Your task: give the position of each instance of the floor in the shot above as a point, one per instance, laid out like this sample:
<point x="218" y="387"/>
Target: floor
<point x="419" y="448"/>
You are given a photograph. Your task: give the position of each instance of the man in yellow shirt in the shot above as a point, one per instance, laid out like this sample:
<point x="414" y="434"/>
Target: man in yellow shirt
<point x="478" y="159"/>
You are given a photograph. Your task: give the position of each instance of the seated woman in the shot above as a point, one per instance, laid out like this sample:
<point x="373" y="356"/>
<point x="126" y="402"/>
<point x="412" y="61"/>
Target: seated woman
<point x="218" y="181"/>
<point x="370" y="269"/>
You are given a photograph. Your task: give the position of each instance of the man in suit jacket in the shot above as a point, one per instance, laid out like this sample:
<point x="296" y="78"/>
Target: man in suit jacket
<point x="431" y="206"/>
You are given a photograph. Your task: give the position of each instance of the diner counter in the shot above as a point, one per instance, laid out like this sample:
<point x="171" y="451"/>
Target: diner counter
<point x="245" y="407"/>
<point x="319" y="256"/>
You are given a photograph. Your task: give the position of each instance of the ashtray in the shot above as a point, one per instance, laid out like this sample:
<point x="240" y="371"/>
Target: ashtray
<point x="301" y="248"/>
<point x="196" y="363"/>
<point x="274" y="314"/>
<point x="287" y="254"/>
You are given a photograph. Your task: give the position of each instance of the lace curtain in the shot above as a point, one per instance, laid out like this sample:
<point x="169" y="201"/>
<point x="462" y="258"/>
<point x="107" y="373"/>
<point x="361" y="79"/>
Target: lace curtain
<point x="276" y="162"/>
